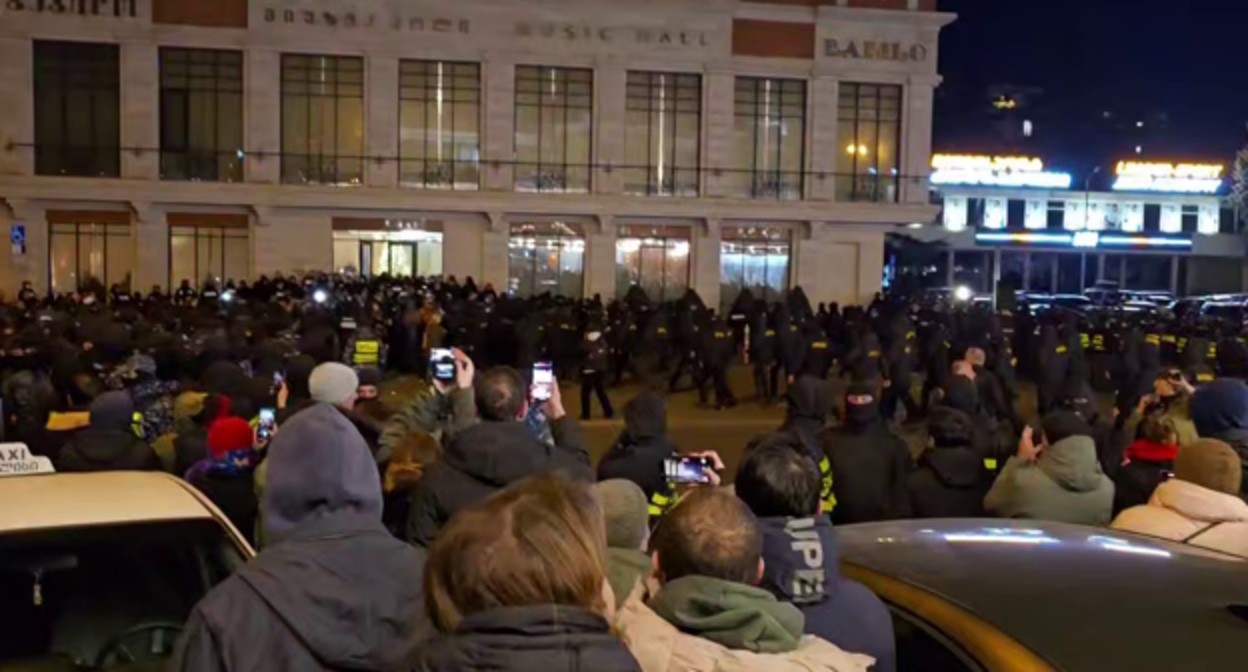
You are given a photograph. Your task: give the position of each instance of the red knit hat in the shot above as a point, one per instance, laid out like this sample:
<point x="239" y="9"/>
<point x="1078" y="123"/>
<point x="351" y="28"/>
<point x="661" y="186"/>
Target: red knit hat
<point x="228" y="435"/>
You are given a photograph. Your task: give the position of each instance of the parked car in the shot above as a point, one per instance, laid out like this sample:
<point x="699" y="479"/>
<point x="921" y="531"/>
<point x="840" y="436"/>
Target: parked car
<point x="101" y="570"/>
<point x="1001" y="595"/>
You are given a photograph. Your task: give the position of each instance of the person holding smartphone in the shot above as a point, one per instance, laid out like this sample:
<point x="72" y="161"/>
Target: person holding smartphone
<point x="499" y="450"/>
<point x="444" y="408"/>
<point x="1172" y="400"/>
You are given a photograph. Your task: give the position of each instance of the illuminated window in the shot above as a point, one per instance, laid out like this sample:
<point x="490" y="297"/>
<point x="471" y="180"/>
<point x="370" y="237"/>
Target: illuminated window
<point x="406" y="253"/>
<point x="201" y="253"/>
<point x="77" y="123"/>
<point x="654" y="258"/>
<point x="89" y="254"/>
<point x="770" y="130"/>
<point x="322" y="119"/>
<point x="869" y="142"/>
<point x="439" y="124"/>
<point x="546" y="258"/>
<point x="554" y="128"/>
<point x="756" y="259"/>
<point x="201" y="115"/>
<point x="662" y="134"/>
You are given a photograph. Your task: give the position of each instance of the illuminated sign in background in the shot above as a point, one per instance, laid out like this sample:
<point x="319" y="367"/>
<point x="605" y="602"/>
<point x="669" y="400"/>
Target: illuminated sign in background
<point x="1178" y="178"/>
<point x="1083" y="240"/>
<point x="995" y="171"/>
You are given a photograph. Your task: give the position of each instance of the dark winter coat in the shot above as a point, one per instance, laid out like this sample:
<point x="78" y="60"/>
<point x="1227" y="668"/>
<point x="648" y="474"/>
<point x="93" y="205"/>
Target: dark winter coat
<point x="235" y="495"/>
<point x="521" y="639"/>
<point x="638" y="454"/>
<point x="333" y="590"/>
<point x="869" y="465"/>
<point x="838" y="610"/>
<point x="109" y="443"/>
<point x="1220" y="411"/>
<point x="485" y="458"/>
<point x="949" y="482"/>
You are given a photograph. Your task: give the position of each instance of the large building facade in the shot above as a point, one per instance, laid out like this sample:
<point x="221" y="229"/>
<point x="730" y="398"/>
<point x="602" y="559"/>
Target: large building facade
<point x="577" y="147"/>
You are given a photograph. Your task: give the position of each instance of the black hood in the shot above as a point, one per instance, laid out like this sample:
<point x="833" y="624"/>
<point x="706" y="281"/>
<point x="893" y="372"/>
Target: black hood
<point x="498" y="453"/>
<point x="961" y="394"/>
<point x="860" y="416"/>
<point x="645" y="417"/>
<point x="798" y="568"/>
<point x="958" y="467"/>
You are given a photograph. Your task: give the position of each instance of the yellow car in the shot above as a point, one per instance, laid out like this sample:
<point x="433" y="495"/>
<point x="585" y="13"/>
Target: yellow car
<point x="1023" y="596"/>
<point x="99" y="571"/>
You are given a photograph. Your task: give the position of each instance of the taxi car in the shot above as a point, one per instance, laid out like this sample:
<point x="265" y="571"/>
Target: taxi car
<point x="100" y="571"/>
<point x="1022" y="596"/>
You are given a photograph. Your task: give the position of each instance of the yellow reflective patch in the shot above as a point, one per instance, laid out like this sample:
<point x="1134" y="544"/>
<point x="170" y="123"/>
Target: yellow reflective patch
<point x="819" y="345"/>
<point x="1168" y="338"/>
<point x="1013" y="361"/>
<point x="825" y="491"/>
<point x="368" y="347"/>
<point x="990" y="464"/>
<point x="1061" y="350"/>
<point x="873" y="354"/>
<point x="1152" y="339"/>
<point x="770" y="332"/>
<point x="661" y="330"/>
<point x="1204" y="377"/>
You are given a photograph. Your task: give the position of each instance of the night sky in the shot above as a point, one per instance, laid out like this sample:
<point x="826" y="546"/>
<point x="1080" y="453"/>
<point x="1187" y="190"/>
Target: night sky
<point x="1154" y="59"/>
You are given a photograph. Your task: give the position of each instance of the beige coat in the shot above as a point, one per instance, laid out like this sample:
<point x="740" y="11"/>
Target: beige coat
<point x="1182" y="511"/>
<point x="659" y="647"/>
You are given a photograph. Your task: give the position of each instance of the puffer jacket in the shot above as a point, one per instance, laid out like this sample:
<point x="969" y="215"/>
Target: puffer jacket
<point x="109" y="444"/>
<point x="1186" y="512"/>
<point x="1065" y="484"/>
<point x="545" y="637"/>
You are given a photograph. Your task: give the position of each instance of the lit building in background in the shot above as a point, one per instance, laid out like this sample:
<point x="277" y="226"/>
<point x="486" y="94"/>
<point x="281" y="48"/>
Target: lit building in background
<point x="576" y="148"/>
<point x="1014" y="221"/>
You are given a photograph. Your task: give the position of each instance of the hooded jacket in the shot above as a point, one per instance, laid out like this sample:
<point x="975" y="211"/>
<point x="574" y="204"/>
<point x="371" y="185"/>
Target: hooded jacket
<point x="486" y="458"/>
<point x="809" y="399"/>
<point x="1220" y="411"/>
<point x="698" y="623"/>
<point x="802" y="568"/>
<point x="638" y="453"/>
<point x="546" y="637"/>
<point x="1065" y="484"/>
<point x="333" y="590"/>
<point x="869" y="465"/>
<point x="1188" y="513"/>
<point x="109" y="443"/>
<point x="949" y="481"/>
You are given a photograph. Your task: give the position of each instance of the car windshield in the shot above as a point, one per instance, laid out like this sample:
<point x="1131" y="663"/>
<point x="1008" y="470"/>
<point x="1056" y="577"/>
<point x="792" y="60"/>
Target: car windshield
<point x="1230" y="313"/>
<point x="109" y="596"/>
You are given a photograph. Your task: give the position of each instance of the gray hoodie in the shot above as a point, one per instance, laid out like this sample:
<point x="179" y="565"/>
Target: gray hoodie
<point x="333" y="590"/>
<point x="1065" y="484"/>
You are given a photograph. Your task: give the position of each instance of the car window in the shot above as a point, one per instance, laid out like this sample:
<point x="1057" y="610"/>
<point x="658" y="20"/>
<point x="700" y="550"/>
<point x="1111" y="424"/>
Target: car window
<point x="116" y="594"/>
<point x="921" y="647"/>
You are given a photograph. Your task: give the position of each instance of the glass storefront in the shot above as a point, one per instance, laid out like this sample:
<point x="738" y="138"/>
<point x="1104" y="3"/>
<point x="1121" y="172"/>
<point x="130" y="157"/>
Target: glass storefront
<point x="1070" y="274"/>
<point x="404" y="253"/>
<point x="654" y="258"/>
<point x="1146" y="271"/>
<point x="200" y="253"/>
<point x="82" y="253"/>
<point x="546" y="257"/>
<point x="756" y="259"/>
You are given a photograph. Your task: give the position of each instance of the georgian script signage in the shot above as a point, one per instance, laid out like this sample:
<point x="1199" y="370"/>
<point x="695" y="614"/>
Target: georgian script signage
<point x="366" y="20"/>
<point x="585" y="33"/>
<point x="115" y="8"/>
<point x="873" y="50"/>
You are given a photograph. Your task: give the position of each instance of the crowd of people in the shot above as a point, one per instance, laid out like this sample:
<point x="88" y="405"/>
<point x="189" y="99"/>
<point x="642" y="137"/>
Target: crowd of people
<point x="469" y="529"/>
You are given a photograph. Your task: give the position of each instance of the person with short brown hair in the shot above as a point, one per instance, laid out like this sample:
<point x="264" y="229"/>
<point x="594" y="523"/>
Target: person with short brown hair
<point x="518" y="582"/>
<point x="710" y="613"/>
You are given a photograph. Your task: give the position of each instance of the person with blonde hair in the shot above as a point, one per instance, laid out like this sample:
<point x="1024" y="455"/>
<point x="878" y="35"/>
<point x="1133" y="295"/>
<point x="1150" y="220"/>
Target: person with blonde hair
<point x="518" y="582"/>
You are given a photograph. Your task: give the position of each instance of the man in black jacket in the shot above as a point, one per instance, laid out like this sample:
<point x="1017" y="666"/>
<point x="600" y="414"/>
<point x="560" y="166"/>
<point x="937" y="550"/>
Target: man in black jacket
<point x="497" y="452"/>
<point x="332" y="590"/>
<point x="111" y="442"/>
<point x="869" y="462"/>
<point x="951" y="480"/>
<point x="638" y="454"/>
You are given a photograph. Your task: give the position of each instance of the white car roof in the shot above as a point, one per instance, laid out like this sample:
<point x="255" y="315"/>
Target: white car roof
<point x="48" y="501"/>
